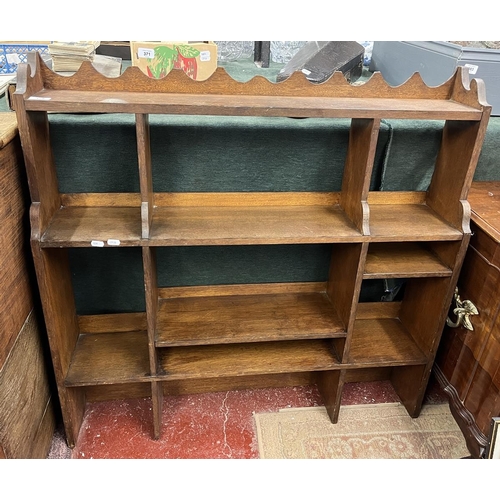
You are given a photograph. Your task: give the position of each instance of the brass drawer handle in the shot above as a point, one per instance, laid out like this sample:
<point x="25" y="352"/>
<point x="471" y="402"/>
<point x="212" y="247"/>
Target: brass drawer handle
<point x="463" y="309"/>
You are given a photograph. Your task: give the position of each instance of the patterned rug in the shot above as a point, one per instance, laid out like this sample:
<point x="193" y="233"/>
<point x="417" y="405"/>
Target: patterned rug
<point x="363" y="431"/>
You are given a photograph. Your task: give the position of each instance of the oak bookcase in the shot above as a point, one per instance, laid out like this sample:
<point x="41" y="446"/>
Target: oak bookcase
<point x="252" y="335"/>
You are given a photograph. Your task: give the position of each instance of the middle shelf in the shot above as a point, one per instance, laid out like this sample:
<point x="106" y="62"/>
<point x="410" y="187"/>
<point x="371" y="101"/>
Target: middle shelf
<point x="102" y="223"/>
<point x="196" y="320"/>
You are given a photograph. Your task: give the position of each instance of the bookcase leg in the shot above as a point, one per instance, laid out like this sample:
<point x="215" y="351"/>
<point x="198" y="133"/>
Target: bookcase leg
<point x="56" y="293"/>
<point x="410" y="383"/>
<point x="157" y="396"/>
<point x="330" y="385"/>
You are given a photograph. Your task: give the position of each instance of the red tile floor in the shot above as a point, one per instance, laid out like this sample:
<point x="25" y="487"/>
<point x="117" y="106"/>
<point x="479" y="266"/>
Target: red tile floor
<point x="215" y="425"/>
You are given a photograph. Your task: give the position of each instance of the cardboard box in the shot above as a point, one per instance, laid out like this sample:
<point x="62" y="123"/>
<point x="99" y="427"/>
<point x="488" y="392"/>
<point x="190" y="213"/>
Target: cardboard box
<point x="156" y="59"/>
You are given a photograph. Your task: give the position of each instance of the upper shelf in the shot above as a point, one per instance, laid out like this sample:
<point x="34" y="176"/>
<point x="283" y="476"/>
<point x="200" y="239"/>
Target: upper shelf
<point x="134" y="92"/>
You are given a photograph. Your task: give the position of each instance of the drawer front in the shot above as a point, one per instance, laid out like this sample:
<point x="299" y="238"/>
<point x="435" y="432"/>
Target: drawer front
<point x="461" y="350"/>
<point x="483" y="397"/>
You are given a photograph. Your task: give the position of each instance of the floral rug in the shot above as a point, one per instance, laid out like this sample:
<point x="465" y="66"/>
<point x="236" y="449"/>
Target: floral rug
<point x="363" y="431"/>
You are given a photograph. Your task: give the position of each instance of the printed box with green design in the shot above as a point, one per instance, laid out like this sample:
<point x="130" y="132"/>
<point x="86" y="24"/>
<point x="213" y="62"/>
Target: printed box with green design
<point x="156" y="59"/>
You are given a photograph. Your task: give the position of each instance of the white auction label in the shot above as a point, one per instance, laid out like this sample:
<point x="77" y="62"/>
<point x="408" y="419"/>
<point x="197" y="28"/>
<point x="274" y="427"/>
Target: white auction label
<point x="146" y="53"/>
<point x="114" y="243"/>
<point x="472" y="68"/>
<point x="205" y="56"/>
<point x="97" y="243"/>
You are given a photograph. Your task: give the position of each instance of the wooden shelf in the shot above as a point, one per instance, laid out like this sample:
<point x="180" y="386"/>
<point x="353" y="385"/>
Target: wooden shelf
<point x="79" y="226"/>
<point x="383" y="342"/>
<point x="201" y="225"/>
<point x="246" y="318"/>
<point x="247" y="105"/>
<point x="408" y="222"/>
<point x="234" y="360"/>
<point x="109" y="358"/>
<point x="402" y="260"/>
<point x="251" y="225"/>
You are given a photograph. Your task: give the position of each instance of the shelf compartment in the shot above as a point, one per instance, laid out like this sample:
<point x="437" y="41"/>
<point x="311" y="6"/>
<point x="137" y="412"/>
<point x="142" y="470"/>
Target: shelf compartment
<point x="408" y="222"/>
<point x="75" y="226"/>
<point x="251" y="225"/>
<point x="403" y="260"/>
<point x="245" y="318"/>
<point x="248" y="105"/>
<point x="233" y="360"/>
<point x="109" y="358"/>
<point x="378" y="342"/>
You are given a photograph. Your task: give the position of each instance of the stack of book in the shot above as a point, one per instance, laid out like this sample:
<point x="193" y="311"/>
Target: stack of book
<point x="69" y="56"/>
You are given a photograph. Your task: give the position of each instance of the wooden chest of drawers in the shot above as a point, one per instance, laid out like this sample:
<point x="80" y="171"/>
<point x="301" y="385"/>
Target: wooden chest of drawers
<point x="468" y="362"/>
<point x="27" y="414"/>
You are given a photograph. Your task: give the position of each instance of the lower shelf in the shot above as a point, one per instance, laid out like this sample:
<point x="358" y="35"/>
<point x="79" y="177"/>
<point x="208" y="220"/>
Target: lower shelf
<point x="235" y="360"/>
<point x="109" y="358"/>
<point x="285" y="314"/>
<point x="122" y="357"/>
<point x="383" y="342"/>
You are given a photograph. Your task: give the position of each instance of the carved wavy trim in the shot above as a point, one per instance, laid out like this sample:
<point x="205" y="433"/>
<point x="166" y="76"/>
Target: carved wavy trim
<point x="464" y="417"/>
<point x="87" y="78"/>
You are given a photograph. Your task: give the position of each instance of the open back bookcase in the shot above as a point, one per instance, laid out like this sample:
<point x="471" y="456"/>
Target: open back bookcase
<point x="221" y="337"/>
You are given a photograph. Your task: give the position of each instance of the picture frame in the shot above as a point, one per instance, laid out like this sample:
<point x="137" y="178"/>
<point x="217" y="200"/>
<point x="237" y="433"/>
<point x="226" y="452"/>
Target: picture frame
<point x="493" y="449"/>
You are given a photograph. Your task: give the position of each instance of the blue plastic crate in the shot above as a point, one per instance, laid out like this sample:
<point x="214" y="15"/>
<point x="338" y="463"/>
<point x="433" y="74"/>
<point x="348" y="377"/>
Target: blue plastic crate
<point x="12" y="55"/>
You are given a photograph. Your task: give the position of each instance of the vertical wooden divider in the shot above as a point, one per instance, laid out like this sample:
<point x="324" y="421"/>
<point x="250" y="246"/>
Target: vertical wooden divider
<point x="56" y="293"/>
<point x="149" y="261"/>
<point x="348" y="259"/>
<point x="151" y="291"/>
<point x="51" y="265"/>
<point x="455" y="166"/>
<point x="145" y="174"/>
<point x="363" y="137"/>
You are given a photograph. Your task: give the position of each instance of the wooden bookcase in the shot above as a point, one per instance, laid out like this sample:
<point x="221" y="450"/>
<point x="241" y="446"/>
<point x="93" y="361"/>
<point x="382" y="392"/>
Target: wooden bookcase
<point x="234" y="336"/>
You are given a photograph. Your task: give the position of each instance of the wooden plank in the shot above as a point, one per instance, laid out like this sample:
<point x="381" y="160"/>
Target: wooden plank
<point x="245" y="225"/>
<point x="363" y="136"/>
<point x="402" y="260"/>
<point x="455" y="166"/>
<point x="14" y="249"/>
<point x="456" y="89"/>
<point x="56" y="293"/>
<point x="484" y="199"/>
<point x="109" y="358"/>
<point x="107" y="323"/>
<point x="246" y="318"/>
<point x="40" y="167"/>
<point x="378" y="310"/>
<point x="383" y="342"/>
<point x="200" y="385"/>
<point x="424" y="310"/>
<point x="80" y="101"/>
<point x="145" y="173"/>
<point x="80" y="226"/>
<point x="26" y="416"/>
<point x="344" y="283"/>
<point x="231" y="360"/>
<point x="251" y="225"/>
<point x="101" y="199"/>
<point x="408" y="223"/>
<point x="397" y="197"/>
<point x="246" y="289"/>
<point x="226" y="199"/>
